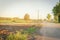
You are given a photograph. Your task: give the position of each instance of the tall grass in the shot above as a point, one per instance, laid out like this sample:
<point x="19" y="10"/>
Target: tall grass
<point x="17" y="36"/>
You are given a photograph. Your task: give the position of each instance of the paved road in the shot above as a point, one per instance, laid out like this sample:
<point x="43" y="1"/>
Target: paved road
<point x="51" y="31"/>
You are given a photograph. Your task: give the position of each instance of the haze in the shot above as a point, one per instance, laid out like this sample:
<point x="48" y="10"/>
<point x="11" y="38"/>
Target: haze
<point x="18" y="8"/>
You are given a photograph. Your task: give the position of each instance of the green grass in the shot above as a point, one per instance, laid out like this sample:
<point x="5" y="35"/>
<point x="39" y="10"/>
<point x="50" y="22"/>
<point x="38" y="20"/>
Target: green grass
<point x="5" y="21"/>
<point x="17" y="36"/>
<point x="13" y="21"/>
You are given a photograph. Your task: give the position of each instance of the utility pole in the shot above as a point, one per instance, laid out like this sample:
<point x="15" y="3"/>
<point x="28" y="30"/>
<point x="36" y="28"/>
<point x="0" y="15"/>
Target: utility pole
<point x="38" y="18"/>
<point x="38" y="15"/>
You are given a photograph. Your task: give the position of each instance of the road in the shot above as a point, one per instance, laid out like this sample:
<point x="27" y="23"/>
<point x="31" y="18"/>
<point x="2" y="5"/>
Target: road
<point x="50" y="31"/>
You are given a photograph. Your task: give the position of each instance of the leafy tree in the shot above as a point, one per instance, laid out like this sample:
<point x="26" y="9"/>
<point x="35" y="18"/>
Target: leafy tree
<point x="56" y="11"/>
<point x="27" y="17"/>
<point x="48" y="17"/>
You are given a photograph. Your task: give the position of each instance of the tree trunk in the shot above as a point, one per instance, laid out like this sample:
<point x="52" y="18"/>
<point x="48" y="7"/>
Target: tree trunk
<point x="59" y="18"/>
<point x="56" y="18"/>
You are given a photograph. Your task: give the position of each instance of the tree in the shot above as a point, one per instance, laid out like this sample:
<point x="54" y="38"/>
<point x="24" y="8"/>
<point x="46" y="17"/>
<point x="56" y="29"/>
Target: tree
<point x="27" y="17"/>
<point x="48" y="17"/>
<point x="56" y="11"/>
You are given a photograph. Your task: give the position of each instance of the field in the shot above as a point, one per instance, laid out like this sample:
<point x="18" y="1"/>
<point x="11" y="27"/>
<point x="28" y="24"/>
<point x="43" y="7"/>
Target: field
<point x="18" y="20"/>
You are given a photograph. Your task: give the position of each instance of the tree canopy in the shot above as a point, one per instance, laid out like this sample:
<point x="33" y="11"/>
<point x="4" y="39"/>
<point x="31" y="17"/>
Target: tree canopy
<point x="48" y="16"/>
<point x="27" y="16"/>
<point x="56" y="9"/>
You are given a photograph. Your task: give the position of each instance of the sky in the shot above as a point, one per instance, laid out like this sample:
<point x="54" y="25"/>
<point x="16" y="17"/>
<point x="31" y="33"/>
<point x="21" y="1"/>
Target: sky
<point x="18" y="8"/>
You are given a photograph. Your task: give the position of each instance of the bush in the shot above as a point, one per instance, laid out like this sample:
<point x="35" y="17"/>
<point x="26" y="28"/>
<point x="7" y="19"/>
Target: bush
<point x="17" y="36"/>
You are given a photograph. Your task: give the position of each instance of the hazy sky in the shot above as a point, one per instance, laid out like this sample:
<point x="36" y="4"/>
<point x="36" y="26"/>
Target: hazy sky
<point x="18" y="8"/>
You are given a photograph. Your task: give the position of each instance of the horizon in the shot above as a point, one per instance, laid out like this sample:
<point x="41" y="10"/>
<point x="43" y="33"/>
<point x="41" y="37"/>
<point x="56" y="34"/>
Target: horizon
<point x="18" y="8"/>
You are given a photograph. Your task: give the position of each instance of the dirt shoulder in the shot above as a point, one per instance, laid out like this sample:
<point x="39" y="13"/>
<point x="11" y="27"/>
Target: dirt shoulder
<point x="36" y="24"/>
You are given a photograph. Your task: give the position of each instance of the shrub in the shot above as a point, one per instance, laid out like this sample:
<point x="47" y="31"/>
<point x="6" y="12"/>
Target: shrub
<point x="17" y="36"/>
